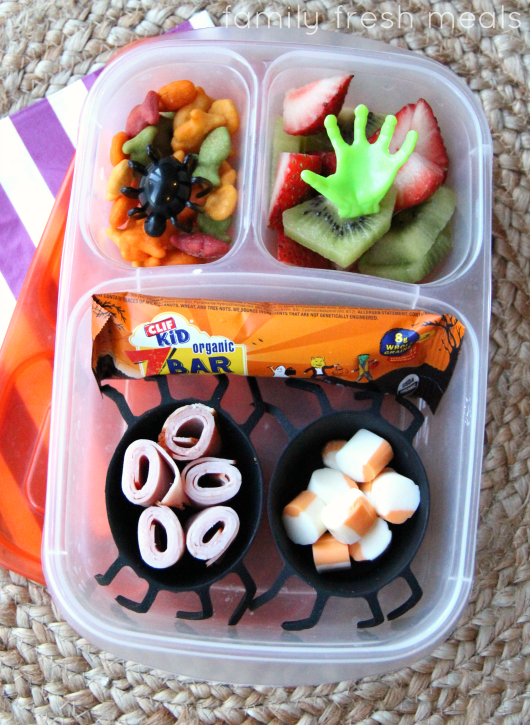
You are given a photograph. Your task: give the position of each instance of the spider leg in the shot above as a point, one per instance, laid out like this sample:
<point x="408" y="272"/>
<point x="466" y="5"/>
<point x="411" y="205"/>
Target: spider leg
<point x="190" y="162"/>
<point x="138" y="167"/>
<point x="180" y="226"/>
<point x="155" y="225"/>
<point x="203" y="182"/>
<point x="130" y="192"/>
<point x="139" y="212"/>
<point x="195" y="207"/>
<point x="152" y="153"/>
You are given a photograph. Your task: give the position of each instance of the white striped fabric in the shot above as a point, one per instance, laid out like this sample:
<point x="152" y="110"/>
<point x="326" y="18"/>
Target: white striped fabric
<point x="36" y="147"/>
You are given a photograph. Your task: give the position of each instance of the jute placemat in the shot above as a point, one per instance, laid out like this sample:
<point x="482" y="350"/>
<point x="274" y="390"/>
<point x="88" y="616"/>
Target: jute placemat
<point x="481" y="674"/>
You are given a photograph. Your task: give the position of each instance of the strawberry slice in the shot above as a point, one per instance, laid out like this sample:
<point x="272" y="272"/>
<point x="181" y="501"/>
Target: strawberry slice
<point x="289" y="190"/>
<point x="304" y="109"/>
<point x="426" y="168"/>
<point x="290" y="252"/>
<point x="329" y="162"/>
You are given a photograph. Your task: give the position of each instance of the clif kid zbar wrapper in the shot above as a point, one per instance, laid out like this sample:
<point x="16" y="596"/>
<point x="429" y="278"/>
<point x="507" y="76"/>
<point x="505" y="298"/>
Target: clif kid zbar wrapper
<point x="406" y="352"/>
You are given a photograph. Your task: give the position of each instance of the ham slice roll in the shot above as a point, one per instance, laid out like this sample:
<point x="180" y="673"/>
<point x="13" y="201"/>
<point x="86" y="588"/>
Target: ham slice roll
<point x="224" y="522"/>
<point x="219" y="471"/>
<point x="150" y="475"/>
<point x="160" y="537"/>
<point x="190" y="432"/>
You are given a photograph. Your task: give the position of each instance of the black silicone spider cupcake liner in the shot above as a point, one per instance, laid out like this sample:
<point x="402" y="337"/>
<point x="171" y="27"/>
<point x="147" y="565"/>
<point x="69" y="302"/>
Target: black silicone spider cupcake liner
<point x="291" y="476"/>
<point x="188" y="574"/>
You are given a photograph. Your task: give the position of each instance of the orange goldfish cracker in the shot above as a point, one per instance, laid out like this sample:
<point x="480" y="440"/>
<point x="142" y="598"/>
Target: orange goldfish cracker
<point x="190" y="135"/>
<point x="177" y="94"/>
<point x="329" y="554"/>
<point x="120" y="176"/>
<point x="227" y="174"/>
<point x="201" y="101"/>
<point x="180" y="155"/>
<point x="153" y="262"/>
<point x="116" y="153"/>
<point x="136" y="238"/>
<point x="175" y="256"/>
<point x="118" y="213"/>
<point x="221" y="203"/>
<point x="227" y="109"/>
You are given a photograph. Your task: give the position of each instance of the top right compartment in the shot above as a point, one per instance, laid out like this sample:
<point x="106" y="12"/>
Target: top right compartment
<point x="385" y="83"/>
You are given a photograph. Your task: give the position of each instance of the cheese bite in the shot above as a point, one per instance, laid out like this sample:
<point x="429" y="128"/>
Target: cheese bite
<point x="328" y="484"/>
<point x="349" y="517"/>
<point x="364" y="456"/>
<point x="373" y="544"/>
<point x="302" y="518"/>
<point x="330" y="555"/>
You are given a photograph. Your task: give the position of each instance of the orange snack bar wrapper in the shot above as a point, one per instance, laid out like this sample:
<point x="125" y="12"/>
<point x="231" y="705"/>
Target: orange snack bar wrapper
<point x="406" y="352"/>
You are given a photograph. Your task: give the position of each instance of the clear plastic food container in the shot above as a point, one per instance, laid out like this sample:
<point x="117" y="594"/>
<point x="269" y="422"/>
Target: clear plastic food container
<point x="255" y="68"/>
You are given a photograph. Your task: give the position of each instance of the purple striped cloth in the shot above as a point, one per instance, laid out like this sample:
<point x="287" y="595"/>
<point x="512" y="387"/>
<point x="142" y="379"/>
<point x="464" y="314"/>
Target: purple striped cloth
<point x="36" y="147"/>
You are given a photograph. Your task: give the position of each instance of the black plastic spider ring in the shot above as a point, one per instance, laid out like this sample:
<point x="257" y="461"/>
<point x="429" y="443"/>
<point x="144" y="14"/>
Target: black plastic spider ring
<point x="164" y="191"/>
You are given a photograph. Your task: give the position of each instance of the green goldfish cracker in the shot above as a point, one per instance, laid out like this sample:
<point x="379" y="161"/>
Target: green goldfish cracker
<point x="214" y="228"/>
<point x="136" y="147"/>
<point x="214" y="150"/>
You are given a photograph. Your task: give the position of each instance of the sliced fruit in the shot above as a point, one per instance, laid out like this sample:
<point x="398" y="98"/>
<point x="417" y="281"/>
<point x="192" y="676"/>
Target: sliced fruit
<point x="304" y="109"/>
<point x="289" y="189"/>
<point x="317" y="225"/>
<point x="346" y="119"/>
<point x="282" y="143"/>
<point x="329" y="162"/>
<point x="415" y="271"/>
<point x="293" y="253"/>
<point x="413" y="231"/>
<point x="426" y="167"/>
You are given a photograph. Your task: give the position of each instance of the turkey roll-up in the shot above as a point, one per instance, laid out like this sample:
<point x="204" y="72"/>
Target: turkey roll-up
<point x="224" y="476"/>
<point x="190" y="433"/>
<point x="224" y="522"/>
<point x="160" y="537"/>
<point x="150" y="475"/>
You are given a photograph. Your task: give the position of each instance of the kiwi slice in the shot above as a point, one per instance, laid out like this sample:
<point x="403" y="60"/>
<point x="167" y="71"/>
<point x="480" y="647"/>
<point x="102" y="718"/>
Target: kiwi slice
<point x="413" y="271"/>
<point x="413" y="231"/>
<point x="282" y="142"/>
<point x="346" y="120"/>
<point x="317" y="225"/>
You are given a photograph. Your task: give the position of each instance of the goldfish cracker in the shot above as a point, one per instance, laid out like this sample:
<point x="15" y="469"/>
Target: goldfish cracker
<point x="120" y="176"/>
<point x="136" y="238"/>
<point x="129" y="252"/>
<point x="175" y="256"/>
<point x="221" y="203"/>
<point x="118" y="213"/>
<point x="177" y="94"/>
<point x="227" y="109"/>
<point x="227" y="174"/>
<point x="180" y="155"/>
<point x="201" y="101"/>
<point x="116" y="152"/>
<point x="189" y="136"/>
<point x="151" y="262"/>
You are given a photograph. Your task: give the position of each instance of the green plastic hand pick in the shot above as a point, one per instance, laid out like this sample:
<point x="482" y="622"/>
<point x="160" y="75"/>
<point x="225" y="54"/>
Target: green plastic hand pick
<point x="365" y="171"/>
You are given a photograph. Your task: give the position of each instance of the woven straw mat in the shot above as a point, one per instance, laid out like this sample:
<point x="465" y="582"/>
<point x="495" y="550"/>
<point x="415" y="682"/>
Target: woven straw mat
<point x="481" y="674"/>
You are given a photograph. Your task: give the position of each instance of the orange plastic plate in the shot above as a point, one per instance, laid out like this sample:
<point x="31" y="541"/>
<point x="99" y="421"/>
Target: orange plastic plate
<point x="26" y="370"/>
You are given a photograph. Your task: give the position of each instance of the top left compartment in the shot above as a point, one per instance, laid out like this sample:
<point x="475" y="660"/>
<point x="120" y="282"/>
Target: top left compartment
<point x="123" y="85"/>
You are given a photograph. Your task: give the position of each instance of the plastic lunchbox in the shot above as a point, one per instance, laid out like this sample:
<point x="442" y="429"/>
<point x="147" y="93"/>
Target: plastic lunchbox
<point x="255" y="68"/>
